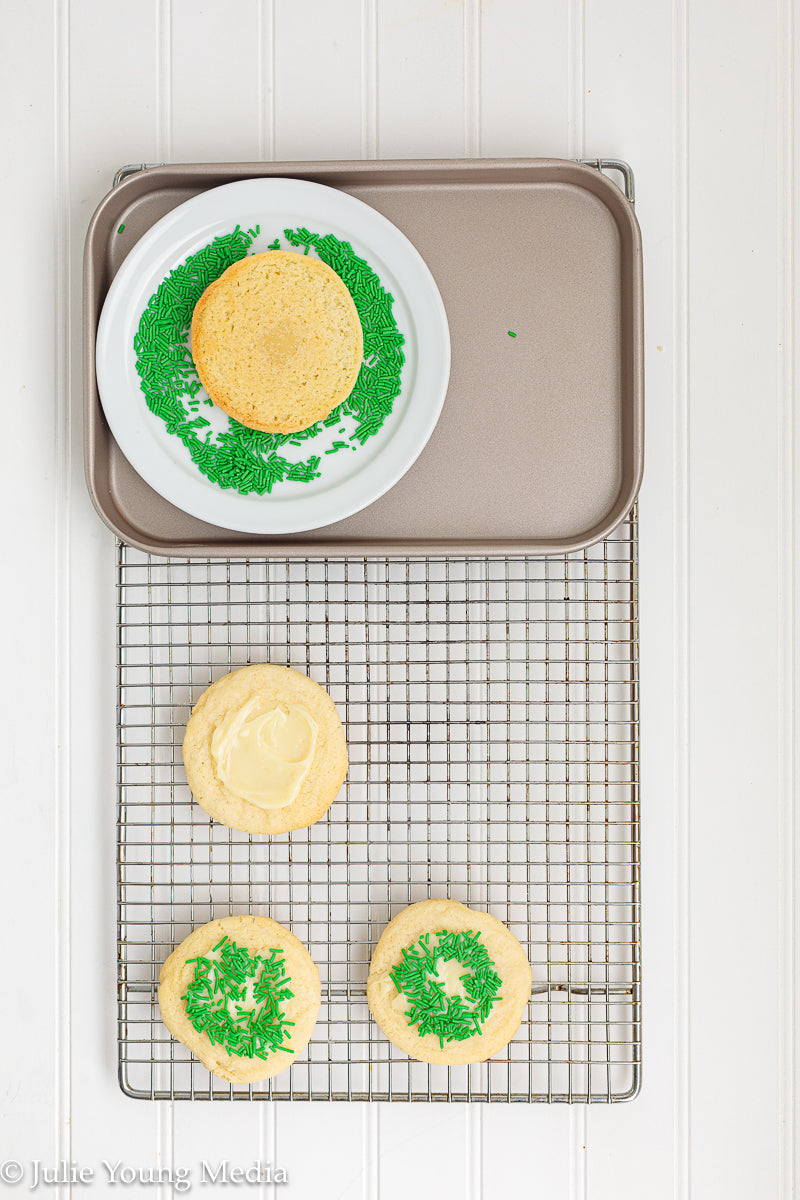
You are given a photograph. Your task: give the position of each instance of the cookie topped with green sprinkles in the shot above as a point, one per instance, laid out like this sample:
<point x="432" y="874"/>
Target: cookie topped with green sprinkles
<point x="448" y="984"/>
<point x="451" y="1004"/>
<point x="238" y="999"/>
<point x="243" y="994"/>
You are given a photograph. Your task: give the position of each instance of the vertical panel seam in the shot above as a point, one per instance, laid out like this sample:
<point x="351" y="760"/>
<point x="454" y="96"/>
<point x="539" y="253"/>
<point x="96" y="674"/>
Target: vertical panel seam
<point x="268" y="1123"/>
<point x="578" y="1124"/>
<point x="681" y="603"/>
<point x="787" y="656"/>
<point x="165" y="1124"/>
<point x="577" y="79"/>
<point x="164" y="78"/>
<point x="369" y="79"/>
<point x="472" y="78"/>
<point x="266" y="79"/>
<point x="370" y="1142"/>
<point x="578" y="1131"/>
<point x="370" y="1127"/>
<point x="471" y="51"/>
<point x="473" y="1167"/>
<point x="63" y="437"/>
<point x="269" y="1148"/>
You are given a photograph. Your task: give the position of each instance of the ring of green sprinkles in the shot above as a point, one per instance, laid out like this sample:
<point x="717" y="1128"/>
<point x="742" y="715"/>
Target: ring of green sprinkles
<point x="236" y="1000"/>
<point x="432" y="1010"/>
<point x="243" y="459"/>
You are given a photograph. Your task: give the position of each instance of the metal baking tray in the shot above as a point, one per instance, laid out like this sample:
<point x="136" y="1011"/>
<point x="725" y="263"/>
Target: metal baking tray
<point x="539" y="447"/>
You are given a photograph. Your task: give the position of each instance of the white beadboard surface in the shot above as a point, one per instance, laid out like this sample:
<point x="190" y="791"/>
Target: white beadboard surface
<point x="700" y="97"/>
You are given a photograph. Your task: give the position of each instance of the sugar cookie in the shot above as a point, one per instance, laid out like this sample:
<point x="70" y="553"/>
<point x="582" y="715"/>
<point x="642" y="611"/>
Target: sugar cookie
<point x="277" y="341"/>
<point x="448" y="984"/>
<point x="264" y="750"/>
<point x="243" y="994"/>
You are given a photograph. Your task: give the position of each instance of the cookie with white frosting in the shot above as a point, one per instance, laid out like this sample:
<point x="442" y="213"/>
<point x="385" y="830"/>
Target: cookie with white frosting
<point x="264" y="750"/>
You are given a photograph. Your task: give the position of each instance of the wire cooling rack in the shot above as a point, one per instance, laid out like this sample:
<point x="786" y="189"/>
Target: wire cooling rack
<point x="491" y="714"/>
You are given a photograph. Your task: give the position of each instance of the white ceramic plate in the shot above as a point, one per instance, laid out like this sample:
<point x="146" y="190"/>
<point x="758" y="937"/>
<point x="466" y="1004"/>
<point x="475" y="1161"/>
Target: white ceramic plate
<point x="348" y="481"/>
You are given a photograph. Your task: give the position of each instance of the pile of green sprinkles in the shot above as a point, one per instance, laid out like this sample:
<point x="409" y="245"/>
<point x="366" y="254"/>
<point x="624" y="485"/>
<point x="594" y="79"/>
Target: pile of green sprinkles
<point x="432" y="1010"/>
<point x="235" y="999"/>
<point x="239" y="458"/>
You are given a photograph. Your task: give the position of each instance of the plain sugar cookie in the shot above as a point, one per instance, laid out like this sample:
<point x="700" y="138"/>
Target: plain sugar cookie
<point x="264" y="750"/>
<point x="243" y="994"/>
<point x="448" y="984"/>
<point x="277" y="341"/>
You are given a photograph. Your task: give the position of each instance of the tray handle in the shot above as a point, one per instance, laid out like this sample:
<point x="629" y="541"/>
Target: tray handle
<point x="614" y="164"/>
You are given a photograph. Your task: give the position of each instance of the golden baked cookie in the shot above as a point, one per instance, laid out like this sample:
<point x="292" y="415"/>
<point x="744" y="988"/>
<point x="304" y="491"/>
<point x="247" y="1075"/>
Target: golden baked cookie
<point x="277" y="341"/>
<point x="448" y="984"/>
<point x="222" y="974"/>
<point x="264" y="750"/>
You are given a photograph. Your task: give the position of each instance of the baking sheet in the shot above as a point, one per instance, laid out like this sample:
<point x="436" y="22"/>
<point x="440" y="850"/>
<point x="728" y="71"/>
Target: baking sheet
<point x="539" y="449"/>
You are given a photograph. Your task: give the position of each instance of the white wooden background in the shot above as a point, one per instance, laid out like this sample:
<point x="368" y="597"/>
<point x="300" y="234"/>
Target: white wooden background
<point x="699" y="95"/>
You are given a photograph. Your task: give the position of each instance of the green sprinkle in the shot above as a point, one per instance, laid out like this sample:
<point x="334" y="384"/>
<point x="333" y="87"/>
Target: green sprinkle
<point x="122" y="226"/>
<point x="511" y="333"/>
<point x="215" y="1000"/>
<point x="239" y="458"/>
<point x="432" y="1010"/>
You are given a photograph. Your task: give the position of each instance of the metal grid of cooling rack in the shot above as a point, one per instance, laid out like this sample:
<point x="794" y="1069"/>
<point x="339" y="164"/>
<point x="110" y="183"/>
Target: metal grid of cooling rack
<point x="491" y="714"/>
